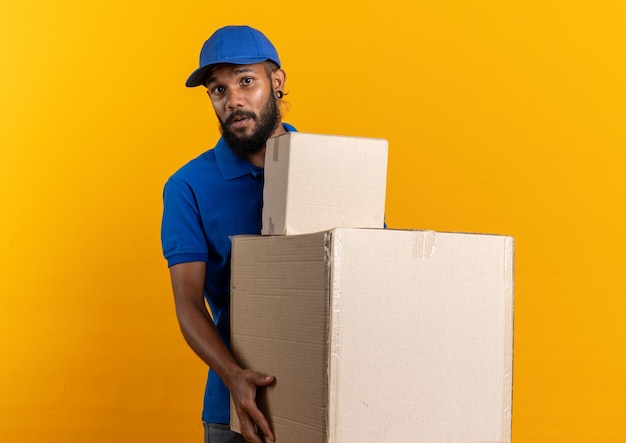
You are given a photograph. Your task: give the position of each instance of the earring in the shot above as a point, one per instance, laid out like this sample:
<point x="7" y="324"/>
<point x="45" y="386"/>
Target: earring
<point x="279" y="94"/>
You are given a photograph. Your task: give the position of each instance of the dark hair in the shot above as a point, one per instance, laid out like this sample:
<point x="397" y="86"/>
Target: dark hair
<point x="270" y="68"/>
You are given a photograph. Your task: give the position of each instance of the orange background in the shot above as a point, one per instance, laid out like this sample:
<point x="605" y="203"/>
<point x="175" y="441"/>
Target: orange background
<point x="502" y="117"/>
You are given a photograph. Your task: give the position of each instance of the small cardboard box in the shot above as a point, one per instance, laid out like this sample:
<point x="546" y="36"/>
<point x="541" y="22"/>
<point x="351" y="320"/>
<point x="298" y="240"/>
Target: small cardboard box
<point x="320" y="182"/>
<point x="378" y="335"/>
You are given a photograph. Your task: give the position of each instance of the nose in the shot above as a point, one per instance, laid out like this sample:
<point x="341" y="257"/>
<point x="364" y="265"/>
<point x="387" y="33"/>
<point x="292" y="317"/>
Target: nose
<point x="234" y="99"/>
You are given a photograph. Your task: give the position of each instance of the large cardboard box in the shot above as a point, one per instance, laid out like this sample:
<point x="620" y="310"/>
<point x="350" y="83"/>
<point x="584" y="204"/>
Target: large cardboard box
<point x="382" y="336"/>
<point x="320" y="182"/>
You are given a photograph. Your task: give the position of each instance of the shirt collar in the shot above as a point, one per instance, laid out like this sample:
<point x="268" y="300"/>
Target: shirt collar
<point x="231" y="165"/>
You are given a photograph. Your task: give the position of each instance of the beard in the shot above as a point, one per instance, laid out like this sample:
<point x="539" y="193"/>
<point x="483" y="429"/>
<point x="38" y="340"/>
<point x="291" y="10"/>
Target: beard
<point x="265" y="125"/>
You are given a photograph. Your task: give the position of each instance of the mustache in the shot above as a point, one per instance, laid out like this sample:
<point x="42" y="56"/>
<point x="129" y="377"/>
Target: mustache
<point x="238" y="115"/>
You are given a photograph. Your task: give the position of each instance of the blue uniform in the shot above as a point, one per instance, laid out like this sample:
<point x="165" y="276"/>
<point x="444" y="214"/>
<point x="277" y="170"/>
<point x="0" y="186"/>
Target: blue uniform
<point x="211" y="198"/>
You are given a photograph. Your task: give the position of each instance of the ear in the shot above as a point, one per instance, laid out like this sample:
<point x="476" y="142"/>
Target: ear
<point x="278" y="80"/>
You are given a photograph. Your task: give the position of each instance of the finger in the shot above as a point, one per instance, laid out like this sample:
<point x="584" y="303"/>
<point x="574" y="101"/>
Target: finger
<point x="264" y="380"/>
<point x="262" y="424"/>
<point x="249" y="432"/>
<point x="265" y="428"/>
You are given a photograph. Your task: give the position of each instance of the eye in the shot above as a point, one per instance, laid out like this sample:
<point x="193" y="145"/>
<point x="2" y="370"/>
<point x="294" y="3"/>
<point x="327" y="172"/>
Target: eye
<point x="215" y="90"/>
<point x="247" y="80"/>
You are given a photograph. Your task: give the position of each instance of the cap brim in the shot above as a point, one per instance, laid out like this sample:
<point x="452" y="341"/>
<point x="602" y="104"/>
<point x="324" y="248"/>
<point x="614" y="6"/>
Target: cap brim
<point x="197" y="76"/>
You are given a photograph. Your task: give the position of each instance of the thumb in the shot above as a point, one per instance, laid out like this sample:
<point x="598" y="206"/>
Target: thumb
<point x="264" y="380"/>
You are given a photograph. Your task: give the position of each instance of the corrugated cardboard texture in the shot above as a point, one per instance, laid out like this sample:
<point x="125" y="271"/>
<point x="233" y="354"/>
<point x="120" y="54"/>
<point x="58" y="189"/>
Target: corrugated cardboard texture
<point x="409" y="341"/>
<point x="319" y="182"/>
<point x="280" y="293"/>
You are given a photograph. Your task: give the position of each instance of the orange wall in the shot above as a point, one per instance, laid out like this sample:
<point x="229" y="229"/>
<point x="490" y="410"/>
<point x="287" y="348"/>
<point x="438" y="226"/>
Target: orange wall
<point x="502" y="117"/>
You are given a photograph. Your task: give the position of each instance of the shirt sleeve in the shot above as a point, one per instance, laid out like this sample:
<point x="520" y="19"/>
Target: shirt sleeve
<point x="182" y="235"/>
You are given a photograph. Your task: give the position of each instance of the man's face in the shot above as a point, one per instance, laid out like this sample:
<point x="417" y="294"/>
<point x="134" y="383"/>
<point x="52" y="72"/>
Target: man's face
<point x="243" y="99"/>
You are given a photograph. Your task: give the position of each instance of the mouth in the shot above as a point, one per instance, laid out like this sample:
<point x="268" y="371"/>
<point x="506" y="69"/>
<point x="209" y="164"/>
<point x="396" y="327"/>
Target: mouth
<point x="239" y="122"/>
<point x="240" y="119"/>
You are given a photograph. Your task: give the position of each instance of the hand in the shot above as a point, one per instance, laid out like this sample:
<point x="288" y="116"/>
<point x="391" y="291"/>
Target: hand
<point x="251" y="419"/>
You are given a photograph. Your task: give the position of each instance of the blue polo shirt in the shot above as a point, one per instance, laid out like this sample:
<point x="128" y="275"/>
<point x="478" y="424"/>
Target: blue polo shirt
<point x="208" y="200"/>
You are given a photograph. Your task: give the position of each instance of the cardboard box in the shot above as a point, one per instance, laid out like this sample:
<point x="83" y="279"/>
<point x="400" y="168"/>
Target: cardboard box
<point x="320" y="182"/>
<point x="378" y="335"/>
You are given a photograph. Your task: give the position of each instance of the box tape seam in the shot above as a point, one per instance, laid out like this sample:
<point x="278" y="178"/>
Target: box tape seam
<point x="423" y="244"/>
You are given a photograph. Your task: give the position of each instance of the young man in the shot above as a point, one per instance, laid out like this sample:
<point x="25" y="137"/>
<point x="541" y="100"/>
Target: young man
<point x="215" y="196"/>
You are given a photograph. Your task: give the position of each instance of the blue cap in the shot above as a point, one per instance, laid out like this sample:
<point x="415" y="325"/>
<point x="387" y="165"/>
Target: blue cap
<point x="239" y="45"/>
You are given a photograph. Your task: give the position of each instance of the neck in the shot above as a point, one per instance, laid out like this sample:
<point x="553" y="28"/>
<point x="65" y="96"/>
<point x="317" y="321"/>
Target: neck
<point x="258" y="158"/>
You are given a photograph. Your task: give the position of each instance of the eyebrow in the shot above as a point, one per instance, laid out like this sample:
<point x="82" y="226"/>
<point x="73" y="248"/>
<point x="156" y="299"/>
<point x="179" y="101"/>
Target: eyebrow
<point x="236" y="71"/>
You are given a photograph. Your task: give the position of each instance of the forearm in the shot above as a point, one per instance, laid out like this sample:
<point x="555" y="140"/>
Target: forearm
<point x="203" y="338"/>
<point x="195" y="322"/>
